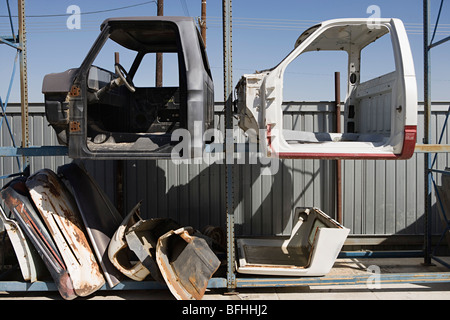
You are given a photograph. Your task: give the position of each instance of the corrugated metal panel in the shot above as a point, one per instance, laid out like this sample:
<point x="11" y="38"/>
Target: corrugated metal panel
<point x="387" y="197"/>
<point x="42" y="134"/>
<point x="379" y="197"/>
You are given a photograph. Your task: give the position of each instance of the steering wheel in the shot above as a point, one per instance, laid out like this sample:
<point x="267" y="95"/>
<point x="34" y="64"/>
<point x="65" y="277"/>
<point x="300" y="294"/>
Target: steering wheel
<point x="123" y="75"/>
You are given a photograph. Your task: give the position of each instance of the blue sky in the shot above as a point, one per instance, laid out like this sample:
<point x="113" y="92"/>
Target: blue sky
<point x="264" y="32"/>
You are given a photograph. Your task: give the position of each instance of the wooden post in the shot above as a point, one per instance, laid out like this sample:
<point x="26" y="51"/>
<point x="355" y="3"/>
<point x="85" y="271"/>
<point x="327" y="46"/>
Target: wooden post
<point x="203" y="22"/>
<point x="159" y="55"/>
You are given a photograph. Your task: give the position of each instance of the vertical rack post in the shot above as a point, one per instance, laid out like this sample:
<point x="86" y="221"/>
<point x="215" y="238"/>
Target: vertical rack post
<point x="337" y="99"/>
<point x="427" y="129"/>
<point x="229" y="141"/>
<point x="23" y="77"/>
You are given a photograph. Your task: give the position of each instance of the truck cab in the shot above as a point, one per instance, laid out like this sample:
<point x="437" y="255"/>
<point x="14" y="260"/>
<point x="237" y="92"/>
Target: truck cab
<point x="117" y="110"/>
<point x="380" y="113"/>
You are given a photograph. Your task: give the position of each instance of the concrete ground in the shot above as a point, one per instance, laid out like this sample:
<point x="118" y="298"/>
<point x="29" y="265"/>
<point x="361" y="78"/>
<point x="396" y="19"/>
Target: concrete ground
<point x="345" y="267"/>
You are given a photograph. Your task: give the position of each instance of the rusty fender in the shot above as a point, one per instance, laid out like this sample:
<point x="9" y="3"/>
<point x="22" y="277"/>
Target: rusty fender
<point x="61" y="215"/>
<point x="119" y="252"/>
<point x="142" y="239"/>
<point x="29" y="261"/>
<point x="16" y="197"/>
<point x="101" y="219"/>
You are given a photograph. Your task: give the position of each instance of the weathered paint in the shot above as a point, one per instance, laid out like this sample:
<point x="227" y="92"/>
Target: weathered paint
<point x="118" y="250"/>
<point x="99" y="216"/>
<point x="16" y="197"/>
<point x="186" y="263"/>
<point x="28" y="258"/>
<point x="60" y="213"/>
<point x="142" y="239"/>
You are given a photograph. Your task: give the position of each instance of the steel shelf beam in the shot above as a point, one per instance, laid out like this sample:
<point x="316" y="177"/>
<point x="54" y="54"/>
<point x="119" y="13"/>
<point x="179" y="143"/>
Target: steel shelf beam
<point x="33" y="151"/>
<point x="252" y="282"/>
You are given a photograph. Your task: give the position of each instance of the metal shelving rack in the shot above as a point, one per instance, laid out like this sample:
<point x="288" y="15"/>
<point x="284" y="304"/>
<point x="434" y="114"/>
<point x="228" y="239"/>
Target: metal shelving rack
<point x="232" y="281"/>
<point x="19" y="43"/>
<point x="428" y="148"/>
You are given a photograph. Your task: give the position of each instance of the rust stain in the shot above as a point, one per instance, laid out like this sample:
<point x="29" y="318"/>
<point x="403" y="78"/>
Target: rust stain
<point x="198" y="294"/>
<point x="186" y="237"/>
<point x="75" y="126"/>
<point x="197" y="286"/>
<point x="22" y="210"/>
<point x="57" y="204"/>
<point x="75" y="91"/>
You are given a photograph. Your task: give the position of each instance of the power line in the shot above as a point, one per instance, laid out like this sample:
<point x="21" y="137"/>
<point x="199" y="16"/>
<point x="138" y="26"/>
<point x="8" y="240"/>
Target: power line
<point x="292" y="23"/>
<point x="300" y="25"/>
<point x="84" y="13"/>
<point x="39" y="26"/>
<point x="185" y="8"/>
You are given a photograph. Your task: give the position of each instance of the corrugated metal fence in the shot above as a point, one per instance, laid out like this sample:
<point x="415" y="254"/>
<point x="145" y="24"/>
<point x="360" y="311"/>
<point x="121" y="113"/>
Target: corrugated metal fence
<point x="379" y="197"/>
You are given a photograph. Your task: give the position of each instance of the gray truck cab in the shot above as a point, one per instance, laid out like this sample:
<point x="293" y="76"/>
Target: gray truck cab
<point x="100" y="113"/>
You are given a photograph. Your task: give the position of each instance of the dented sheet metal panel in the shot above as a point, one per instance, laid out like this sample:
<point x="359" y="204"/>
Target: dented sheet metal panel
<point x="60" y="213"/>
<point x="142" y="239"/>
<point x="99" y="216"/>
<point x="16" y="197"/>
<point x="119" y="252"/>
<point x="29" y="261"/>
<point x="186" y="263"/>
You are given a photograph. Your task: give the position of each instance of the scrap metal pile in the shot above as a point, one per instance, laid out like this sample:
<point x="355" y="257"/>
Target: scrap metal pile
<point x="64" y="224"/>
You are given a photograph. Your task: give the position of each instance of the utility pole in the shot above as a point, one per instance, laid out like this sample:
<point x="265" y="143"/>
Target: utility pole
<point x="159" y="55"/>
<point x="203" y="22"/>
